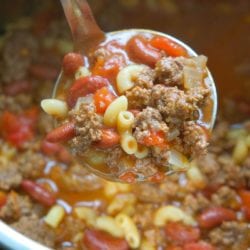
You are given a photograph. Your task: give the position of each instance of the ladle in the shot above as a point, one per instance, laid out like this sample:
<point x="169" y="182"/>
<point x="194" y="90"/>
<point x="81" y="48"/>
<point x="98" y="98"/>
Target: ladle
<point x="87" y="34"/>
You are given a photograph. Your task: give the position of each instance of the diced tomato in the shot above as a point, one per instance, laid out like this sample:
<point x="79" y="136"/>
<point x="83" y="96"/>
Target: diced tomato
<point x="128" y="177"/>
<point x="167" y="45"/>
<point x="110" y="138"/>
<point x="109" y="67"/>
<point x="84" y="86"/>
<point x="62" y="133"/>
<point x="155" y="138"/>
<point x="141" y="51"/>
<point x="198" y="246"/>
<point x="71" y="62"/>
<point x="181" y="234"/>
<point x="214" y="216"/>
<point x="3" y="198"/>
<point x="18" y="128"/>
<point x="99" y="240"/>
<point x="158" y="177"/>
<point x="38" y="192"/>
<point x="102" y="98"/>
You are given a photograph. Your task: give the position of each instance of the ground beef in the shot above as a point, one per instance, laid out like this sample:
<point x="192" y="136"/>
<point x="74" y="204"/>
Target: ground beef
<point x="45" y="123"/>
<point x="226" y="197"/>
<point x="138" y="97"/>
<point x="147" y="192"/>
<point x="31" y="164"/>
<point x="113" y="159"/>
<point x="19" y="50"/>
<point x="36" y="229"/>
<point x="15" y="103"/>
<point x="145" y="79"/>
<point x="233" y="235"/>
<point x="145" y="167"/>
<point x="160" y="155"/>
<point x="176" y="105"/>
<point x="194" y="203"/>
<point x="146" y="120"/>
<point x="10" y="176"/>
<point x="194" y="139"/>
<point x="15" y="207"/>
<point x="88" y="125"/>
<point x="169" y="71"/>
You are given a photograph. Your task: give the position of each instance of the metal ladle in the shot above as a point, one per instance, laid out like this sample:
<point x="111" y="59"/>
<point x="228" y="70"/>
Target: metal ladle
<point x="87" y="34"/>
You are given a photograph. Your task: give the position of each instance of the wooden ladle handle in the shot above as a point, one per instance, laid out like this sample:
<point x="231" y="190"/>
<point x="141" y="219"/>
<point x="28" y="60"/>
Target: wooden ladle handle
<point x="85" y="31"/>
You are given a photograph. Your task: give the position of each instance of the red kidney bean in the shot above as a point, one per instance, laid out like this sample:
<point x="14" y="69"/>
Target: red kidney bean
<point x="198" y="246"/>
<point x="84" y="86"/>
<point x="182" y="234"/>
<point x="63" y="133"/>
<point x="71" y="62"/>
<point x="57" y="150"/>
<point x="214" y="216"/>
<point x="17" y="87"/>
<point x="44" y="72"/>
<point x="38" y="193"/>
<point x="141" y="51"/>
<point x="110" y="138"/>
<point x="99" y="240"/>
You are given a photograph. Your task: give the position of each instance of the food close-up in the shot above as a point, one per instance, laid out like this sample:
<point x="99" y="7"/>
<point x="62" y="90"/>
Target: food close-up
<point x="134" y="135"/>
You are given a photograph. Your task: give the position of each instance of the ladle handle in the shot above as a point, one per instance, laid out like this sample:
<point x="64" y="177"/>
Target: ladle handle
<point x="85" y="31"/>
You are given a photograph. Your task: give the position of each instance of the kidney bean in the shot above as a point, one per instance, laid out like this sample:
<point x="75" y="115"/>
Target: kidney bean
<point x="110" y="138"/>
<point x="128" y="177"/>
<point x="214" y="216"/>
<point x="57" y="150"/>
<point x="71" y="62"/>
<point x="84" y="86"/>
<point x="17" y="87"/>
<point x="141" y="51"/>
<point x="44" y="72"/>
<point x="63" y="133"/>
<point x="198" y="246"/>
<point x="182" y="234"/>
<point x="38" y="192"/>
<point x="99" y="240"/>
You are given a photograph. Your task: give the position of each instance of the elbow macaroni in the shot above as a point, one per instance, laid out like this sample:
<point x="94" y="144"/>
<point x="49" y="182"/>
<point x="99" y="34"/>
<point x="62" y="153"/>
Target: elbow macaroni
<point x="141" y="152"/>
<point x="173" y="214"/>
<point x="87" y="214"/>
<point x="55" y="107"/>
<point x="126" y="76"/>
<point x="113" y="110"/>
<point x="54" y="216"/>
<point x="125" y="121"/>
<point x="130" y="230"/>
<point x="109" y="225"/>
<point x="129" y="143"/>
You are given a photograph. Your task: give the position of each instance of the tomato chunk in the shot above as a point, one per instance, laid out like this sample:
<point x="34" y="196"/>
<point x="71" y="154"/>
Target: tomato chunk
<point x="84" y="86"/>
<point x="18" y="128"/>
<point x="155" y="138"/>
<point x="167" y="45"/>
<point x="71" y="62"/>
<point x="182" y="234"/>
<point x="214" y="216"/>
<point x="102" y="98"/>
<point x="128" y="177"/>
<point x="38" y="192"/>
<point x="99" y="240"/>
